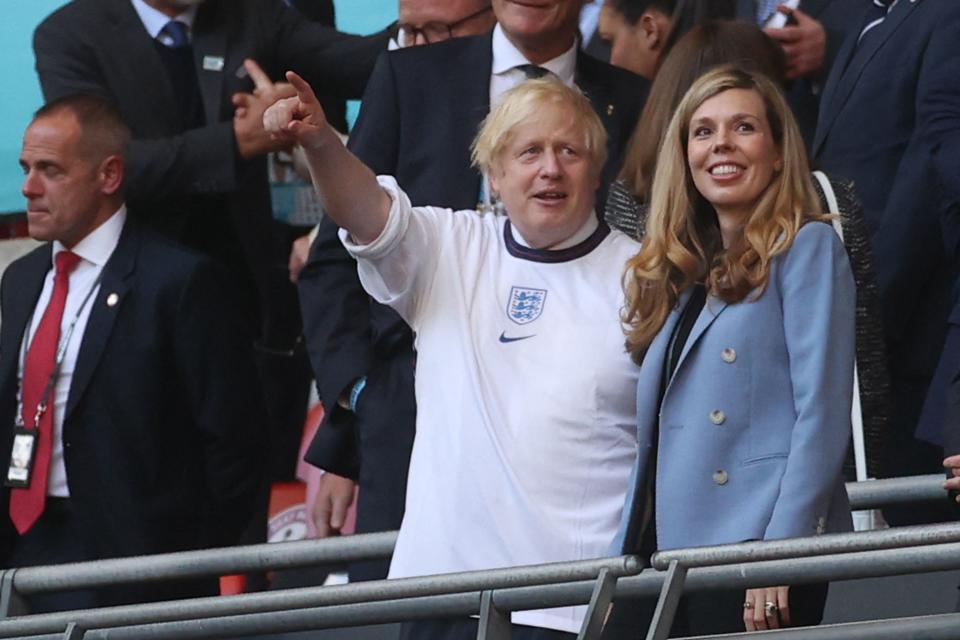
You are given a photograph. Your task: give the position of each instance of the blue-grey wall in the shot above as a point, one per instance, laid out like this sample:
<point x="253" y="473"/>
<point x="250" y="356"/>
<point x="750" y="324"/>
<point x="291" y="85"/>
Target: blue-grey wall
<point x="21" y="93"/>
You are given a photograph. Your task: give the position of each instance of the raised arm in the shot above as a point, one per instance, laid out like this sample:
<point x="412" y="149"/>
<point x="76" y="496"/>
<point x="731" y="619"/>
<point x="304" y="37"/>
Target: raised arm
<point x="348" y="190"/>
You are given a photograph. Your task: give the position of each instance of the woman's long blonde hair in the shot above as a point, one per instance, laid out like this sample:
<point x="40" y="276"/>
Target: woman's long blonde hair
<point x="682" y="245"/>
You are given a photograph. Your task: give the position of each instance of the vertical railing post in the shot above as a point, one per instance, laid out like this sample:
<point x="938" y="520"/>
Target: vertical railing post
<point x="599" y="604"/>
<point x="494" y="623"/>
<point x="667" y="604"/>
<point x="11" y="602"/>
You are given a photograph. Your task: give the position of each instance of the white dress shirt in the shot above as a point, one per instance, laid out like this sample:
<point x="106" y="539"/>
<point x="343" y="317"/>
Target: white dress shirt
<point x="154" y="20"/>
<point x="95" y="250"/>
<point x="504" y="74"/>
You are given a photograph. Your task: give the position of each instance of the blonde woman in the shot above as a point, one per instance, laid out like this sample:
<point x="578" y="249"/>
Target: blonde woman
<point x="741" y="309"/>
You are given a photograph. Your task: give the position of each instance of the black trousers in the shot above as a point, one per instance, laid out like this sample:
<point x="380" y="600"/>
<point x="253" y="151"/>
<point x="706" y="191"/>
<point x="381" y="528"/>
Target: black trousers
<point x="709" y="612"/>
<point x="466" y="629"/>
<point x="63" y="534"/>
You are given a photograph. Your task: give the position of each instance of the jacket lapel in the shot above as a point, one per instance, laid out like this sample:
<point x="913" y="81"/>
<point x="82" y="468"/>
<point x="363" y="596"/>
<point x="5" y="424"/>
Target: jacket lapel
<point x="589" y="80"/>
<point x="849" y="66"/>
<point x="209" y="54"/>
<point x="113" y="289"/>
<point x="469" y="103"/>
<point x="651" y="370"/>
<point x="710" y="312"/>
<point x="18" y="310"/>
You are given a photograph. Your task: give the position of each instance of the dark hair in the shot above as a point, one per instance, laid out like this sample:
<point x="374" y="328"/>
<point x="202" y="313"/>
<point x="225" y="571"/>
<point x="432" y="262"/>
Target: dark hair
<point x="688" y="14"/>
<point x="102" y="129"/>
<point x="632" y="10"/>
<point x="704" y="47"/>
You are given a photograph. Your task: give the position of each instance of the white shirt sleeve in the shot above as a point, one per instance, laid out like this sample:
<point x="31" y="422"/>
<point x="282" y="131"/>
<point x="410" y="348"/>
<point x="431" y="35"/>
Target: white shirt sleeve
<point x="397" y="268"/>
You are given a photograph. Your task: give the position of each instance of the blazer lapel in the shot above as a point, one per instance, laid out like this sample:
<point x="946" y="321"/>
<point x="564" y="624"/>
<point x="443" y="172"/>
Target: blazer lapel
<point x="469" y="103"/>
<point x="103" y="314"/>
<point x="710" y="312"/>
<point x="209" y="54"/>
<point x="128" y="39"/>
<point x="850" y="64"/>
<point x="18" y="310"/>
<point x="587" y="79"/>
<point x="651" y="370"/>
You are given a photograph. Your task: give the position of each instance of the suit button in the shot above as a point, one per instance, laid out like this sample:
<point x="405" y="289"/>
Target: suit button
<point x="718" y="417"/>
<point x="729" y="355"/>
<point x="720" y="477"/>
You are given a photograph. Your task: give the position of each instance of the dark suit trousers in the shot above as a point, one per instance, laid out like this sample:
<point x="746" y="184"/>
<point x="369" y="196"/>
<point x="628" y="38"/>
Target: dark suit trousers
<point x="63" y="534"/>
<point x="386" y="418"/>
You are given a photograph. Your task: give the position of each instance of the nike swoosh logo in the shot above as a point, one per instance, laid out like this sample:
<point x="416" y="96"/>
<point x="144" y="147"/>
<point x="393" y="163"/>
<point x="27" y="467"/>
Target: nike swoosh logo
<point x="505" y="340"/>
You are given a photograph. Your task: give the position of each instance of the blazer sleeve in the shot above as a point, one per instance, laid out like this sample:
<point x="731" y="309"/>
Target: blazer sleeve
<point x="201" y="160"/>
<point x="214" y="359"/>
<point x="818" y="299"/>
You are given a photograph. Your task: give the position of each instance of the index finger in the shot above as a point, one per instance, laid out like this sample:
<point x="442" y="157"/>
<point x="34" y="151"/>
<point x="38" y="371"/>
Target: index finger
<point x="260" y="79"/>
<point x="304" y="90"/>
<point x="952" y="462"/>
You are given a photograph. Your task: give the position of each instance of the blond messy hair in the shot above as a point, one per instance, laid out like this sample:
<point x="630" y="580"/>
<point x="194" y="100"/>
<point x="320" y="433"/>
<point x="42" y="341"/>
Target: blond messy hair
<point x="526" y="102"/>
<point x="682" y="245"/>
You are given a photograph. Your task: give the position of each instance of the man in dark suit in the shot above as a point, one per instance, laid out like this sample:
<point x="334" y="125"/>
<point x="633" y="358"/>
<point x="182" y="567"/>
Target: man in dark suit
<point x="420" y="113"/>
<point x="810" y="36"/>
<point x="125" y="370"/>
<point x="878" y="118"/>
<point x="197" y="172"/>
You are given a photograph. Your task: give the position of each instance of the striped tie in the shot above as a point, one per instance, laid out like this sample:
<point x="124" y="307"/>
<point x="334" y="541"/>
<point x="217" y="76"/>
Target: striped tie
<point x="884" y="7"/>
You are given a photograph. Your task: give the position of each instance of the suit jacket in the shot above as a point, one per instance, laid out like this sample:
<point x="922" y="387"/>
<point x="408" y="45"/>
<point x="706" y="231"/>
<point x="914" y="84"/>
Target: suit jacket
<point x="419" y="130"/>
<point x="803" y="94"/>
<point x="164" y="424"/>
<point x="754" y="423"/>
<point x="176" y="176"/>
<point x="879" y="108"/>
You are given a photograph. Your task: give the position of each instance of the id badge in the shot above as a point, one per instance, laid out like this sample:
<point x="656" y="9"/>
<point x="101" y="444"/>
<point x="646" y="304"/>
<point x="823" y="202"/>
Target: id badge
<point x="22" y="455"/>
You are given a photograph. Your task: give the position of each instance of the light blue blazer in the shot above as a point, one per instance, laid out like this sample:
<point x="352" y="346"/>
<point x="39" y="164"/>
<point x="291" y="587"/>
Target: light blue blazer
<point x="755" y="422"/>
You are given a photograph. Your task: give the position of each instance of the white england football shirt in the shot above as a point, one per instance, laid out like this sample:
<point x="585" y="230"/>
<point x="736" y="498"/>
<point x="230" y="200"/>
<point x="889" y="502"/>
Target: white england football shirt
<point x="526" y="404"/>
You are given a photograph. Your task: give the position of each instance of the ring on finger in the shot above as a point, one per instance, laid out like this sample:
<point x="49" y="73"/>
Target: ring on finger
<point x="770" y="608"/>
<point x="748" y="605"/>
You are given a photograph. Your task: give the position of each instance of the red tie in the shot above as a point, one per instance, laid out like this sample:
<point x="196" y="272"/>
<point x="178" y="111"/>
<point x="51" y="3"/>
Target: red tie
<point x="26" y="505"/>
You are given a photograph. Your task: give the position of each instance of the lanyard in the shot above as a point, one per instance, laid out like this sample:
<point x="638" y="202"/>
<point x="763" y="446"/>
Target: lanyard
<point x="57" y="363"/>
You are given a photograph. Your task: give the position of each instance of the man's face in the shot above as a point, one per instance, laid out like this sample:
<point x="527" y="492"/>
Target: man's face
<point x="426" y="21"/>
<point x="546" y="178"/>
<point x="541" y="29"/>
<point x="66" y="191"/>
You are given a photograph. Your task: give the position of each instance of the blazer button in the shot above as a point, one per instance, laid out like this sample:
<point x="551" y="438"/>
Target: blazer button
<point x="718" y="417"/>
<point x="729" y="355"/>
<point x="720" y="477"/>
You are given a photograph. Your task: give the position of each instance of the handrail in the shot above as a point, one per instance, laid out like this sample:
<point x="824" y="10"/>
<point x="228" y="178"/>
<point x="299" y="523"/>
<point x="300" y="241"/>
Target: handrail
<point x="203" y="563"/>
<point x="361" y="592"/>
<point x="873" y="494"/>
<point x="863" y="564"/>
<point x="944" y="626"/>
<point x="213" y="562"/>
<point x="720" y="554"/>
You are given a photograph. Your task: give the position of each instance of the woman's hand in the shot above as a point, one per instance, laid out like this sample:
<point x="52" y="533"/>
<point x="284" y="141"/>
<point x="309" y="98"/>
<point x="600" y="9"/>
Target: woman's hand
<point x="766" y="608"/>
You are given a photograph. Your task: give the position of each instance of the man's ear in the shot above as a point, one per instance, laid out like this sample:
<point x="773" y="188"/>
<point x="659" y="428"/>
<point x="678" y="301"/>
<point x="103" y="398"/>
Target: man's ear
<point x="656" y="27"/>
<point x="111" y="174"/>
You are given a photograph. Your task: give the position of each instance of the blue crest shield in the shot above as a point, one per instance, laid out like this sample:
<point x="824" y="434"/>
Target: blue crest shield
<point x="525" y="304"/>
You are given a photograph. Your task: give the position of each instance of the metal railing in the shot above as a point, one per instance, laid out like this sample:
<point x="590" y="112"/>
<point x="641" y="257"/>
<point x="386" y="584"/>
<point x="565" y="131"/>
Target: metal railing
<point x="488" y="593"/>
